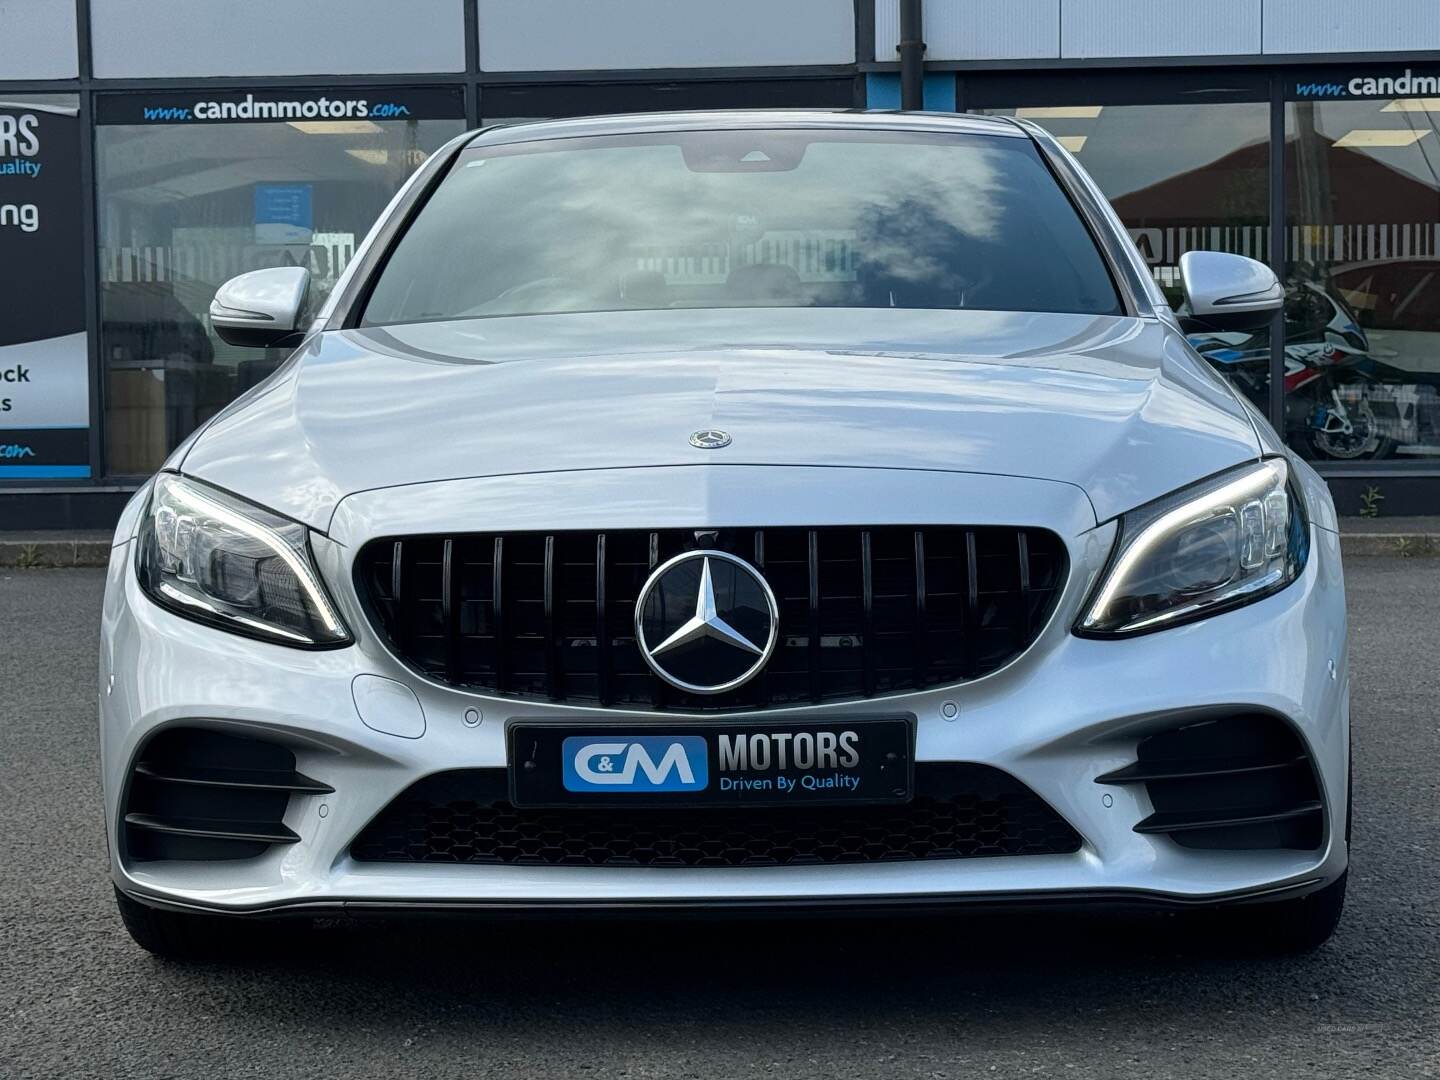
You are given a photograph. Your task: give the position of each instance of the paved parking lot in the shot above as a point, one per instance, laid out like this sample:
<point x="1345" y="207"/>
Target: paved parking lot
<point x="1018" y="996"/>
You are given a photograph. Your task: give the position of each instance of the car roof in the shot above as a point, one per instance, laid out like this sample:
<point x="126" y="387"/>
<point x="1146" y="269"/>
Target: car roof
<point x="735" y="119"/>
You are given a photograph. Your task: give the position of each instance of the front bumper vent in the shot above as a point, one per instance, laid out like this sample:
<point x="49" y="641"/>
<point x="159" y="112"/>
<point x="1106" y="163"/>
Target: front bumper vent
<point x="1239" y="783"/>
<point x="199" y="794"/>
<point x="959" y="811"/>
<point x="863" y="611"/>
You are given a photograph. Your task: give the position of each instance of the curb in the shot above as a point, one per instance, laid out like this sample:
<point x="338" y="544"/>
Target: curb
<point x="54" y="554"/>
<point x="1404" y="545"/>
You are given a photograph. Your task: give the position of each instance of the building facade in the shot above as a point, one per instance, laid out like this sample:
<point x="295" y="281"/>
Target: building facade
<point x="151" y="149"/>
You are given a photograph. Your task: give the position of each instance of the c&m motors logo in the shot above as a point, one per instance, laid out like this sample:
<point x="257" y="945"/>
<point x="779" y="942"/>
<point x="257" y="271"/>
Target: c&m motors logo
<point x="640" y="763"/>
<point x="251" y="108"/>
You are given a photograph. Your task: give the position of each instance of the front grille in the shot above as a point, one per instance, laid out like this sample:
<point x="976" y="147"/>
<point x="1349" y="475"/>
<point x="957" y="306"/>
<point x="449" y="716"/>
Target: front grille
<point x="200" y="794"/>
<point x="1238" y="783"/>
<point x="550" y="616"/>
<point x="959" y="811"/>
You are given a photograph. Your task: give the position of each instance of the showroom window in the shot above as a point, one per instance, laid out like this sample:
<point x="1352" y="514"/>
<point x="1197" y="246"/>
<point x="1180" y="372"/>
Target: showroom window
<point x="1187" y="171"/>
<point x="1363" y="382"/>
<point x="192" y="192"/>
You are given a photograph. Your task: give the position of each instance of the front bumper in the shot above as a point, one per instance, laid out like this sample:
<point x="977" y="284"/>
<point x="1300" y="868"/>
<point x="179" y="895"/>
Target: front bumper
<point x="1066" y="712"/>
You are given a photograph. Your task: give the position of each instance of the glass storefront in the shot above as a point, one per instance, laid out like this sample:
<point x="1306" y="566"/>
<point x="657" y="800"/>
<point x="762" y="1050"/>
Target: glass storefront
<point x="1187" y="160"/>
<point x="184" y="206"/>
<point x="1363" y="199"/>
<point x="1183" y="177"/>
<point x="194" y="183"/>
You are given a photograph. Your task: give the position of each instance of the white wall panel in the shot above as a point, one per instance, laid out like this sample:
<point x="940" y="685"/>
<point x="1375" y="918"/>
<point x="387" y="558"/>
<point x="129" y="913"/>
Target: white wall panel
<point x="1159" y="27"/>
<point x="558" y="35"/>
<point x="37" y="39"/>
<point x="976" y="29"/>
<point x="1326" y="26"/>
<point x="149" y="38"/>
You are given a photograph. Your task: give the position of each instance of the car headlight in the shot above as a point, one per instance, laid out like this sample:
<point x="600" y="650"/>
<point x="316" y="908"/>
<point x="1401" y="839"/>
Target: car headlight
<point x="1227" y="541"/>
<point x="219" y="560"/>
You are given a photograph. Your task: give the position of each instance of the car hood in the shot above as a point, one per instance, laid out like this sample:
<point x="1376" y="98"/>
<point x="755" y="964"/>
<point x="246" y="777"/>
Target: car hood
<point x="1115" y="406"/>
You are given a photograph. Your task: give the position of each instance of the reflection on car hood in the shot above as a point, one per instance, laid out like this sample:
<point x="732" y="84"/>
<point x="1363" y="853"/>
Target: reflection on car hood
<point x="1112" y="405"/>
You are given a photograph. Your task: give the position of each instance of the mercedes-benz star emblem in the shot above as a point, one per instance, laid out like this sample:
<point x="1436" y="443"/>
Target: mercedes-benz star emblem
<point x="706" y="622"/>
<point x="710" y="439"/>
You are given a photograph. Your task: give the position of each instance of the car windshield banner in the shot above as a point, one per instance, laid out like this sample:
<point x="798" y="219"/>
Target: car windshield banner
<point x="44" y="354"/>
<point x="282" y="106"/>
<point x="1357" y="83"/>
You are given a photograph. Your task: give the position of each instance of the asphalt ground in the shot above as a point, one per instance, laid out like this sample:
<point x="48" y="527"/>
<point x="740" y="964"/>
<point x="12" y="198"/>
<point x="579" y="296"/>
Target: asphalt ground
<point x="1028" y="995"/>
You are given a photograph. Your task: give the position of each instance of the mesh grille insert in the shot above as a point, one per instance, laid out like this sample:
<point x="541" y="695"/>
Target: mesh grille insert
<point x="959" y="811"/>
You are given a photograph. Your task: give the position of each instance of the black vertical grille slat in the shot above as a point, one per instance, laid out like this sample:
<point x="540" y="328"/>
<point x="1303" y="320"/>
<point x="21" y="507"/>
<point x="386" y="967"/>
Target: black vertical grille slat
<point x="657" y="686"/>
<point x="602" y="625"/>
<point x="762" y="681"/>
<point x="450" y="609"/>
<point x="497" y="611"/>
<point x="812" y="644"/>
<point x="397" y="596"/>
<point x="864" y="611"/>
<point x="554" y="681"/>
<point x="396" y="561"/>
<point x="867" y="605"/>
<point x="971" y="615"/>
<point x="1022" y="547"/>
<point x="922" y="641"/>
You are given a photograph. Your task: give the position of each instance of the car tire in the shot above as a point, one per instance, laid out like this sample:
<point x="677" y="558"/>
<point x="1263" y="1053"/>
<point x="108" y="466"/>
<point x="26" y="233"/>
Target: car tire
<point x="1287" y="926"/>
<point x="177" y="935"/>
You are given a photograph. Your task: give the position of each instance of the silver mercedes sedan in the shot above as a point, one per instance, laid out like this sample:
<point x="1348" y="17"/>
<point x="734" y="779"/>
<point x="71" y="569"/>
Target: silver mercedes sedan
<point x="753" y="510"/>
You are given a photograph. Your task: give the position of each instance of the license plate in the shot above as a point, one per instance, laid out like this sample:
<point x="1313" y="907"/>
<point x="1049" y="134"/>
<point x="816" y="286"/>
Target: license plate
<point x="762" y="764"/>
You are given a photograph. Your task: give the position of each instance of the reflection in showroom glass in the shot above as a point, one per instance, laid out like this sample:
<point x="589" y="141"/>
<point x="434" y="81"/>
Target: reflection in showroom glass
<point x="1364" y="199"/>
<point x="183" y="208"/>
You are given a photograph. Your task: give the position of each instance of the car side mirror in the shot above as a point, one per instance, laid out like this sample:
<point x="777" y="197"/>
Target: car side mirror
<point x="1227" y="293"/>
<point x="262" y="309"/>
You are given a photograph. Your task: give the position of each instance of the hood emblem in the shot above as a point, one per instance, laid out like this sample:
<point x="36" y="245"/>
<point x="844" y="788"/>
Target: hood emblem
<point x="710" y="439"/>
<point x="706" y="622"/>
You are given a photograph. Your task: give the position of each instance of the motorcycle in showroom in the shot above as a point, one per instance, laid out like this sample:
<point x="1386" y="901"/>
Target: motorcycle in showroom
<point x="1342" y="402"/>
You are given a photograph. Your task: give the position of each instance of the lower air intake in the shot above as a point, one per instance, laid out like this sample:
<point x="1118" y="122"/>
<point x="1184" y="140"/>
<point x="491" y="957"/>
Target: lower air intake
<point x="199" y="794"/>
<point x="959" y="811"/>
<point x="1238" y="783"/>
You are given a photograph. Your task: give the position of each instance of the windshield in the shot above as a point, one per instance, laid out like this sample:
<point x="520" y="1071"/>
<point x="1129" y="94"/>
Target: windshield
<point x="745" y="218"/>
